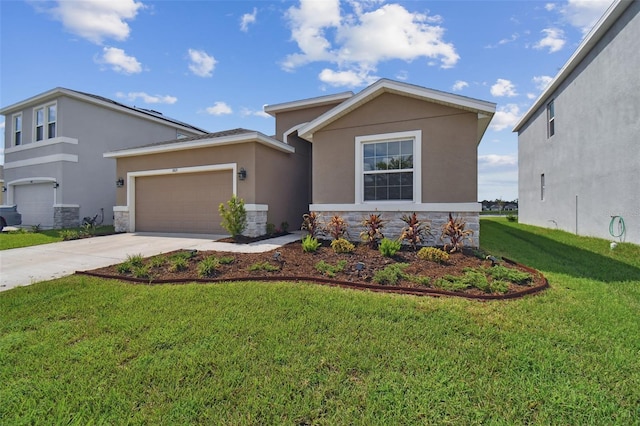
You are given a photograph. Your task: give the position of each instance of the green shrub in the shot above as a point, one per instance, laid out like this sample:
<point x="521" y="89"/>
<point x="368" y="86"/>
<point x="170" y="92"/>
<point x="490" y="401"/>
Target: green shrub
<point x="477" y="279"/>
<point x="271" y="228"/>
<point x="450" y="283"/>
<point x="208" y="266"/>
<point x="124" y="268"/>
<point x="389" y="248"/>
<point x="418" y="279"/>
<point x="512" y="218"/>
<point x="330" y="270"/>
<point x="135" y="259"/>
<point x="433" y="254"/>
<point x="342" y="246"/>
<point x="509" y="274"/>
<point x="391" y="274"/>
<point x="140" y="271"/>
<point x="284" y="226"/>
<point x="310" y="244"/>
<point x="499" y="286"/>
<point x="226" y="260"/>
<point x="69" y="234"/>
<point x="158" y="261"/>
<point x="178" y="263"/>
<point x="234" y="216"/>
<point x="263" y="266"/>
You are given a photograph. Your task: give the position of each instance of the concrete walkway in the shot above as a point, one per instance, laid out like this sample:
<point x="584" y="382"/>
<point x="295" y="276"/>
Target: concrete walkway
<point x="28" y="265"/>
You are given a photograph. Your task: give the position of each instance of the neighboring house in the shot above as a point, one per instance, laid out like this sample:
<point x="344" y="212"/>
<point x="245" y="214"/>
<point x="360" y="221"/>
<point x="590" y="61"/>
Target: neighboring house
<point x="54" y="170"/>
<point x="393" y="148"/>
<point x="3" y="188"/>
<point x="578" y="145"/>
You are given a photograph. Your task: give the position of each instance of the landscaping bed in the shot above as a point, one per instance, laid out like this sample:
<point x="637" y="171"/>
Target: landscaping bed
<point x="467" y="273"/>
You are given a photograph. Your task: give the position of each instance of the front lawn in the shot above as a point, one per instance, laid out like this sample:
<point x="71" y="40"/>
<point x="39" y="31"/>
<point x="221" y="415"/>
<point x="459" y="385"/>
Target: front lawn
<point x="85" y="350"/>
<point x="27" y="238"/>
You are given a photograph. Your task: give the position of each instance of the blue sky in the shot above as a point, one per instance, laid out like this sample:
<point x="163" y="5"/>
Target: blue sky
<point x="215" y="64"/>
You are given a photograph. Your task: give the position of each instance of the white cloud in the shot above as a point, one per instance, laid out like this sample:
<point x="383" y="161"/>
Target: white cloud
<point x="493" y="161"/>
<point x="402" y="75"/>
<point x="498" y="176"/>
<point x="531" y="96"/>
<point x="248" y="18"/>
<point x="219" y="108"/>
<point x="96" y="20"/>
<point x="202" y="64"/>
<point x="148" y="99"/>
<point x="541" y="81"/>
<point x="550" y="6"/>
<point x="583" y="14"/>
<point x="346" y="78"/>
<point x="553" y="39"/>
<point x="246" y="112"/>
<point x="503" y="88"/>
<point x="356" y="42"/>
<point x="505" y="117"/>
<point x="459" y="85"/>
<point x="119" y="61"/>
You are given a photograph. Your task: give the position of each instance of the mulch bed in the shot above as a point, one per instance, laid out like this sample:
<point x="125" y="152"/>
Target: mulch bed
<point x="295" y="265"/>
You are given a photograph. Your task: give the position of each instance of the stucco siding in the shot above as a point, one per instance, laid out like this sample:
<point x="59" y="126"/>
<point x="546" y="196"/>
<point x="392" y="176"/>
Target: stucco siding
<point x="449" y="148"/>
<point x="591" y="165"/>
<point x="289" y="119"/>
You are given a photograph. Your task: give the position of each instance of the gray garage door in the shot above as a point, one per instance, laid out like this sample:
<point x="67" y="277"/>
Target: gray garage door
<point x="182" y="203"/>
<point x="35" y="203"/>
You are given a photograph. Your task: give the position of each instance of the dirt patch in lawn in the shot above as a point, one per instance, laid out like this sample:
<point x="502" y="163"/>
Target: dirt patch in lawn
<point x="360" y="269"/>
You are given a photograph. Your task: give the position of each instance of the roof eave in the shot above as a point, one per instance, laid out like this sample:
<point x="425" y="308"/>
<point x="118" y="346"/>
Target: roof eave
<point x="203" y="143"/>
<point x="306" y="103"/>
<point x="611" y="15"/>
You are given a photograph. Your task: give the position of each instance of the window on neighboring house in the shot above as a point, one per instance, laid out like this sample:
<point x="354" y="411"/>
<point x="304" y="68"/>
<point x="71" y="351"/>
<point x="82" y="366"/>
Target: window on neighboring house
<point x="17" y="129"/>
<point x="45" y="122"/>
<point x="551" y="115"/>
<point x="542" y="187"/>
<point x="386" y="169"/>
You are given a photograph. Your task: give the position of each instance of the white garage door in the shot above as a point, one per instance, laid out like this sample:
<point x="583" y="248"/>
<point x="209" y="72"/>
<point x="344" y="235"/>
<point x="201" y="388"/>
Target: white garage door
<point x="182" y="203"/>
<point x="35" y="203"/>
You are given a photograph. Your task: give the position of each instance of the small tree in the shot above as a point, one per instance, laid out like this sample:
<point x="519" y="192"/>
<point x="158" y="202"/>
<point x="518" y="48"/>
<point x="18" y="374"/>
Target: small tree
<point x="234" y="216"/>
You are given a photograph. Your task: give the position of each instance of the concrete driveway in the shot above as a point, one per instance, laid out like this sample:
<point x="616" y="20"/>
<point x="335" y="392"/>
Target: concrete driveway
<point x="28" y="265"/>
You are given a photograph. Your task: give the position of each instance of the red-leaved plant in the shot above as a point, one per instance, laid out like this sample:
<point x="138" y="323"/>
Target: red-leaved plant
<point x="310" y="224"/>
<point x="372" y="232"/>
<point x="414" y="230"/>
<point x="454" y="234"/>
<point x="337" y="227"/>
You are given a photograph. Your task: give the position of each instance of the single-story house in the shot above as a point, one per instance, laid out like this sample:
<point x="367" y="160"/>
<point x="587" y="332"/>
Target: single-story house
<point x="393" y="148"/>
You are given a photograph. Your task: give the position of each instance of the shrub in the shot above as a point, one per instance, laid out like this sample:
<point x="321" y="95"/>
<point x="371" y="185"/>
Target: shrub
<point x="425" y="281"/>
<point x="284" y="226"/>
<point x="124" y="268"/>
<point x="178" y="263"/>
<point x="454" y="234"/>
<point x="69" y="234"/>
<point x="158" y="261"/>
<point x="509" y="274"/>
<point x="477" y="279"/>
<point x="135" y="259"/>
<point x="310" y="224"/>
<point x="36" y="228"/>
<point x="226" y="260"/>
<point x="389" y="248"/>
<point x="372" y="233"/>
<point x="208" y="266"/>
<point x="337" y="227"/>
<point x="329" y="270"/>
<point x="450" y="283"/>
<point x="141" y="271"/>
<point x="499" y="286"/>
<point x="342" y="246"/>
<point x="271" y="228"/>
<point x="414" y="230"/>
<point x="234" y="216"/>
<point x="433" y="254"/>
<point x="310" y="244"/>
<point x="263" y="266"/>
<point x="512" y="218"/>
<point x="391" y="274"/>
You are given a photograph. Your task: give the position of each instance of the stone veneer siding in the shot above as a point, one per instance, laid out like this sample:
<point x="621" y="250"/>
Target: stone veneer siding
<point x="66" y="217"/>
<point x="393" y="224"/>
<point x="121" y="221"/>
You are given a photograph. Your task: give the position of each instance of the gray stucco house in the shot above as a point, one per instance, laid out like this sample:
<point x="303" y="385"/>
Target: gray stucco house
<point x="54" y="170"/>
<point x="579" y="144"/>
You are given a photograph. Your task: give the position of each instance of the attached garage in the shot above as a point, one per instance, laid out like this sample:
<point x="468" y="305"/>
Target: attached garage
<point x="35" y="203"/>
<point x="182" y="203"/>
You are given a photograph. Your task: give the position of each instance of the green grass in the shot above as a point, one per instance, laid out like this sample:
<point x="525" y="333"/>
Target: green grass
<point x="83" y="350"/>
<point x="26" y="238"/>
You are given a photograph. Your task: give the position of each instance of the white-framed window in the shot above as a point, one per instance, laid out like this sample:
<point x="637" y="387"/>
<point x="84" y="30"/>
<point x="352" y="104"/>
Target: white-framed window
<point x="45" y="120"/>
<point x="551" y="119"/>
<point x="388" y="167"/>
<point x="17" y="129"/>
<point x="542" y="187"/>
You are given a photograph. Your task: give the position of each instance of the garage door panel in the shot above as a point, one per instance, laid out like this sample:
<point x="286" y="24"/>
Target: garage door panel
<point x="35" y="203"/>
<point x="183" y="202"/>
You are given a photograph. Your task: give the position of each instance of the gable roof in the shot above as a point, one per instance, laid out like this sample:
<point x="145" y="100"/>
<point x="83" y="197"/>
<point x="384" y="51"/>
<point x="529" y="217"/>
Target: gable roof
<point x="306" y="103"/>
<point x="226" y="137"/>
<point x="101" y="101"/>
<point x="485" y="110"/>
<point x="593" y="37"/>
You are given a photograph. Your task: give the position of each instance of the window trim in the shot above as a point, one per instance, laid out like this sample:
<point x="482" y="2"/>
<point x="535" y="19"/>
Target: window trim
<point x="543" y="186"/>
<point x="416" y="136"/>
<point x="14" y="131"/>
<point x="551" y="118"/>
<point x="45" y="121"/>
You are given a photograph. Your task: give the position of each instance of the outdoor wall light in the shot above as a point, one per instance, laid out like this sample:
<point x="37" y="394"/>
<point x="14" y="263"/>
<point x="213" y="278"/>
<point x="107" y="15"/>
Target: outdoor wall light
<point x="56" y="185"/>
<point x="242" y="174"/>
<point x="4" y="188"/>
<point x="120" y="183"/>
